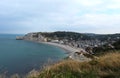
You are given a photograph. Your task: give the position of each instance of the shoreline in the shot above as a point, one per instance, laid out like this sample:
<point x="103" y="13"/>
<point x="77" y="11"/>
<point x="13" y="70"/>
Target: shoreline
<point x="67" y="48"/>
<point x="70" y="51"/>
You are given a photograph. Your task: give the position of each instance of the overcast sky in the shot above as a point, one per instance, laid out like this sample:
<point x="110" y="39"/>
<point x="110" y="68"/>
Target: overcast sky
<point x="85" y="16"/>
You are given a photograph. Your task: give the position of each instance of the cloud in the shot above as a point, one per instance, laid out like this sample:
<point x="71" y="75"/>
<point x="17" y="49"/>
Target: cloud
<point x="88" y="3"/>
<point x="54" y="15"/>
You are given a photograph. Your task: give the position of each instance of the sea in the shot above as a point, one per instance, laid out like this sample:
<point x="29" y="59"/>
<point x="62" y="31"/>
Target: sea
<point x="20" y="56"/>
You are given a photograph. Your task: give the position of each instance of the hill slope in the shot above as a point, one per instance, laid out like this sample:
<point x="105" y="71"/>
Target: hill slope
<point x="107" y="66"/>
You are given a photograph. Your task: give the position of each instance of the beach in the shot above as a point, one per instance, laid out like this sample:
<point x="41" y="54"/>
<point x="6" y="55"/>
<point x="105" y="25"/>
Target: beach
<point x="67" y="48"/>
<point x="70" y="51"/>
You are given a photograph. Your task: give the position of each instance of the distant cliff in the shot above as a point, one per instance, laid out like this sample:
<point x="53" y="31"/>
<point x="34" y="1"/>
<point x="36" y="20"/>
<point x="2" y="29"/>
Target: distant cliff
<point x="56" y="35"/>
<point x="33" y="37"/>
<point x="76" y="40"/>
<point x="70" y="36"/>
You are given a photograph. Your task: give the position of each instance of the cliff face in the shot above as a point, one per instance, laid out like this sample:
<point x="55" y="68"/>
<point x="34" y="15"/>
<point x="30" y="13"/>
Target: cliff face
<point x="33" y="37"/>
<point x="19" y="38"/>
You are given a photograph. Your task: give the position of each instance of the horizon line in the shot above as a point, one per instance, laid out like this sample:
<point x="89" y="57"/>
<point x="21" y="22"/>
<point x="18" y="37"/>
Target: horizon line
<point x="62" y="31"/>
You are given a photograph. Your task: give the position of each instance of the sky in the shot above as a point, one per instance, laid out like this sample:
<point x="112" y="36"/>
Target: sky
<point x="84" y="16"/>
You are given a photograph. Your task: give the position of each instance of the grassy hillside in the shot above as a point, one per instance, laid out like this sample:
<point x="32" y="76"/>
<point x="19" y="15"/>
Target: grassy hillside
<point x="107" y="66"/>
<point x="78" y="36"/>
<point x="66" y="35"/>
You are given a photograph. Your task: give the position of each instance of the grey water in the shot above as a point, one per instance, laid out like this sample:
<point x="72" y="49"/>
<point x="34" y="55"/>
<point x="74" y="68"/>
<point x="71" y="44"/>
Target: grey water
<point x="19" y="56"/>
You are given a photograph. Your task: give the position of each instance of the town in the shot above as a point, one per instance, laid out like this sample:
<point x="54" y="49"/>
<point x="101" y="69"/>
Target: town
<point x="76" y="40"/>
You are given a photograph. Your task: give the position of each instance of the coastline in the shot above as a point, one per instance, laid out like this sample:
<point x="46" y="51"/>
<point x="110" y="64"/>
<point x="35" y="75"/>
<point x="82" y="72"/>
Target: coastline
<point x="67" y="48"/>
<point x="70" y="51"/>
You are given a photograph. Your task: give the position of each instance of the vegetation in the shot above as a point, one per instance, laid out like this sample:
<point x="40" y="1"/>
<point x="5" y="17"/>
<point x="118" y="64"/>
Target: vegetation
<point x="66" y="35"/>
<point x="78" y="36"/>
<point x="107" y="66"/>
<point x="117" y="45"/>
<point x="106" y="48"/>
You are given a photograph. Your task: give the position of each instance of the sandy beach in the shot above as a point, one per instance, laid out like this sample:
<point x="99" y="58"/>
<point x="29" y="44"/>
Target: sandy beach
<point x="67" y="48"/>
<point x="70" y="50"/>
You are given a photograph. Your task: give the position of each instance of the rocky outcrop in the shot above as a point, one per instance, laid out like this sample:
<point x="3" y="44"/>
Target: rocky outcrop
<point x="19" y="38"/>
<point x="34" y="37"/>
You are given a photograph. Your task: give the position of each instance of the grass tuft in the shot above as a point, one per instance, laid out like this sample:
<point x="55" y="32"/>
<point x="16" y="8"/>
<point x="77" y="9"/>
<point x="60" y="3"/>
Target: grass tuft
<point x="107" y="66"/>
